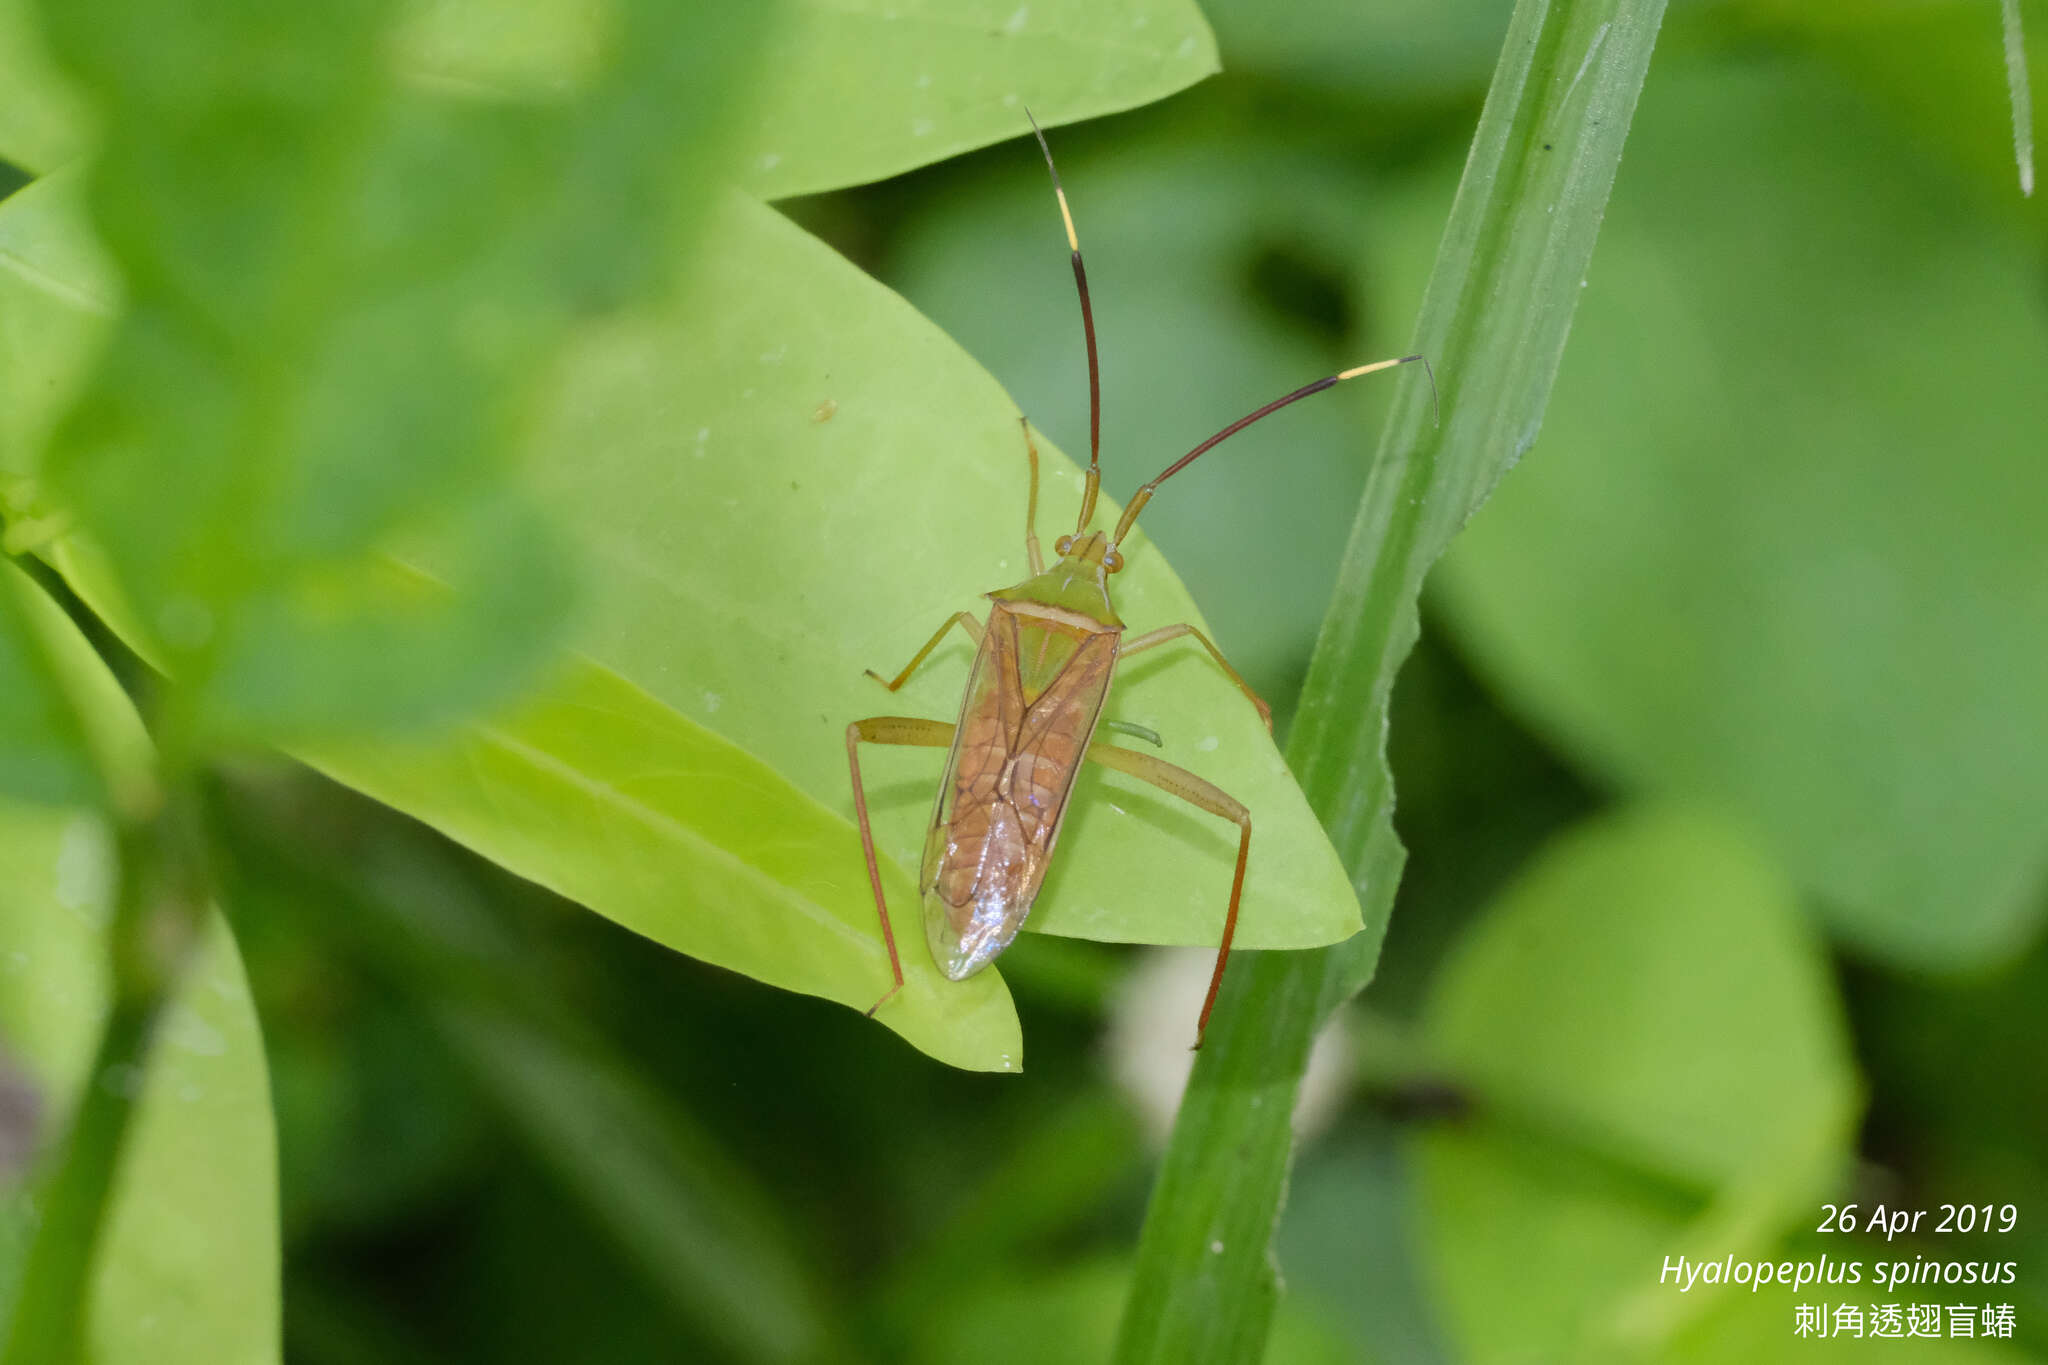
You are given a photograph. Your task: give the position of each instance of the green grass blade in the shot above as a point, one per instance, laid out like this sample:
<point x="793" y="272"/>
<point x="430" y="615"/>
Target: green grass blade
<point x="2022" y="101"/>
<point x="1494" y="322"/>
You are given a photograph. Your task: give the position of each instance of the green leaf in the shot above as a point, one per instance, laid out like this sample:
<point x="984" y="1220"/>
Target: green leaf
<point x="340" y="288"/>
<point x="67" y="730"/>
<point x="43" y="119"/>
<point x="187" y="1269"/>
<point x="186" y="1265"/>
<point x="599" y="791"/>
<point x="58" y="294"/>
<point x="1656" y="1066"/>
<point x="856" y="92"/>
<point x="868" y="89"/>
<point x="43" y="751"/>
<point x="756" y="629"/>
<point x="755" y="560"/>
<point x="1647" y="987"/>
<point x="1507" y="277"/>
<point x="1750" y="576"/>
<point x="1644" y="997"/>
<point x="736" y="642"/>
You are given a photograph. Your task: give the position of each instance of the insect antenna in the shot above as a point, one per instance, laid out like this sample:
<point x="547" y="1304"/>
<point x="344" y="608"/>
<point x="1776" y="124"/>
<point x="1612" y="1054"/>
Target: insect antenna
<point x="1088" y="330"/>
<point x="1144" y="494"/>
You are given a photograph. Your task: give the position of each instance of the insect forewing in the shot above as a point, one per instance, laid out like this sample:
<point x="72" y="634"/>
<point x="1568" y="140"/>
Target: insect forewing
<point x="1032" y="703"/>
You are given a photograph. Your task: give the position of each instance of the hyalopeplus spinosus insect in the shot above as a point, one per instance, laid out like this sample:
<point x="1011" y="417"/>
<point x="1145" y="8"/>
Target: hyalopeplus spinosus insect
<point x="1044" y="661"/>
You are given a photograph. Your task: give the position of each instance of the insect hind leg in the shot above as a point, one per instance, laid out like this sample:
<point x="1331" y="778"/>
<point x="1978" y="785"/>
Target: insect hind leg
<point x="1206" y="796"/>
<point x="904" y="730"/>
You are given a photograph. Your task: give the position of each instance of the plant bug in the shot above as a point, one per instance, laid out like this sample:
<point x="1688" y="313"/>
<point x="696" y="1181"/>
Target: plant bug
<point x="1042" y="669"/>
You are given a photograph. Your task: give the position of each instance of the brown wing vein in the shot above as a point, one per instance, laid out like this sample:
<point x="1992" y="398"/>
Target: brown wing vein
<point x="982" y="836"/>
<point x="1053" y="736"/>
<point x="1016" y="764"/>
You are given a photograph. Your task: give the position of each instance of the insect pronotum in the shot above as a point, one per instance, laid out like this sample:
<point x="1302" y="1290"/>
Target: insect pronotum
<point x="1034" y="698"/>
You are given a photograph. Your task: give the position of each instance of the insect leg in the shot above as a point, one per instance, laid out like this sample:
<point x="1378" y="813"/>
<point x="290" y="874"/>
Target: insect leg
<point x="962" y="619"/>
<point x="1206" y="796"/>
<point x="1165" y="633"/>
<point x="1031" y="550"/>
<point x="937" y="734"/>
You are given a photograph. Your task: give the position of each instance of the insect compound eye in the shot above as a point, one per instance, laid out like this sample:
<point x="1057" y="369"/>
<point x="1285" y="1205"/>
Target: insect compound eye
<point x="1062" y="545"/>
<point x="1112" y="561"/>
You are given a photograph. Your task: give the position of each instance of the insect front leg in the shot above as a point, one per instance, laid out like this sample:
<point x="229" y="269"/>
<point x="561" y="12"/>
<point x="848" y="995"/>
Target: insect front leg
<point x="1206" y="796"/>
<point x="964" y="620"/>
<point x="1152" y="638"/>
<point x="1032" y="554"/>
<point x="906" y="730"/>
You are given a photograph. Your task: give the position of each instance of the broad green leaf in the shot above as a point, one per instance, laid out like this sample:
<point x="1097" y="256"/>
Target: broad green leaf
<point x="854" y="91"/>
<point x="1507" y="279"/>
<point x="1640" y="1019"/>
<point x="340" y="288"/>
<point x="608" y="471"/>
<point x="67" y="731"/>
<point x="864" y="89"/>
<point x="527" y="48"/>
<point x="43" y="120"/>
<point x="828" y="947"/>
<point x="783" y="479"/>
<point x="1647" y="987"/>
<point x="186" y="1269"/>
<point x="1789" y="561"/>
<point x="58" y="294"/>
<point x="43" y="751"/>
<point x="789" y="477"/>
<point x="598" y="790"/>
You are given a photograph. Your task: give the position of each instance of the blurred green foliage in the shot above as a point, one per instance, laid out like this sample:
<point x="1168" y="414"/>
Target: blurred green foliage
<point x="187" y="1266"/>
<point x="1626" y="1061"/>
<point x="1803" y="610"/>
<point x="391" y="361"/>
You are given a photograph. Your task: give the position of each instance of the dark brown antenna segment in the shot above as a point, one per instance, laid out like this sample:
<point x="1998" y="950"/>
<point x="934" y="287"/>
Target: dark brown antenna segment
<point x="1144" y="494"/>
<point x="1087" y="330"/>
